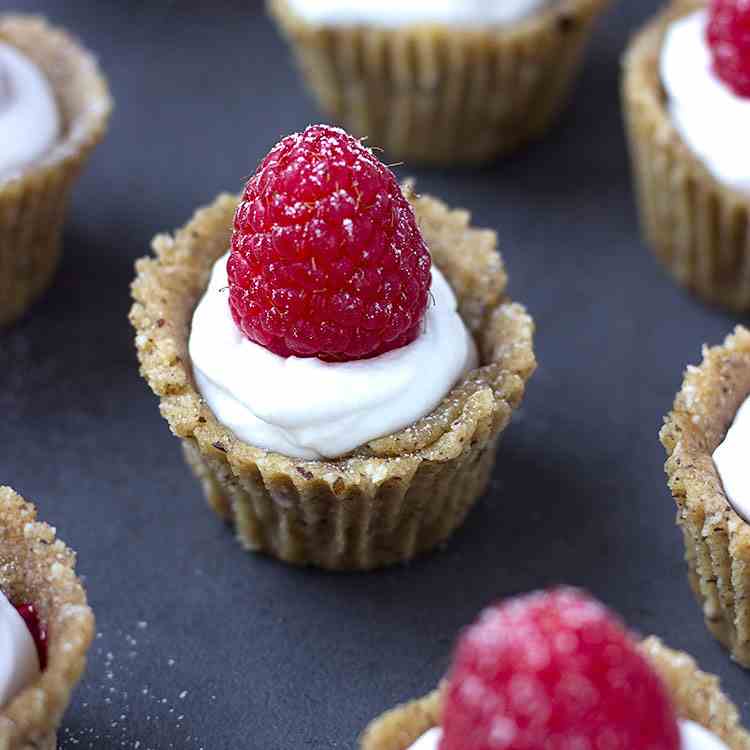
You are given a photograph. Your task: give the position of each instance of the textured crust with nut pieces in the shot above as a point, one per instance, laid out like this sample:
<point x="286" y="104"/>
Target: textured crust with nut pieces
<point x="36" y="567"/>
<point x="717" y="540"/>
<point x="440" y="94"/>
<point x="698" y="228"/>
<point x="390" y="499"/>
<point x="33" y="205"/>
<point x="696" y="695"/>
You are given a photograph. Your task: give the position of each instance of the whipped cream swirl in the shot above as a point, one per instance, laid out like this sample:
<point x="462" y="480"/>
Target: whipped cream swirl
<point x="29" y="117"/>
<point x="712" y="120"/>
<point x="730" y="459"/>
<point x="692" y="737"/>
<point x="19" y="663"/>
<point x="392" y="13"/>
<point x="310" y="409"/>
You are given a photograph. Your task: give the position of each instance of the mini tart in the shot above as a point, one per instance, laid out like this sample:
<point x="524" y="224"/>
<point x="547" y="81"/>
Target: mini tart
<point x="35" y="567"/>
<point x="33" y="205"/>
<point x="696" y="696"/>
<point x="394" y="497"/>
<point x="439" y="94"/>
<point x="717" y="540"/>
<point x="698" y="228"/>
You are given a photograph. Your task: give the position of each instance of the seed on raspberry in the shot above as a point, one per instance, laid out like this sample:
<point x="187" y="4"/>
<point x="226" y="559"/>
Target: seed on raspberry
<point x="728" y="36"/>
<point x="554" y="670"/>
<point x="36" y="629"/>
<point x="327" y="260"/>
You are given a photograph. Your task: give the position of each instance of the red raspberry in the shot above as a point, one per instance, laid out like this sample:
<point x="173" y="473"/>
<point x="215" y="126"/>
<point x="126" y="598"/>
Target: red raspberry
<point x="38" y="633"/>
<point x="554" y="671"/>
<point x="729" y="38"/>
<point x="327" y="260"/>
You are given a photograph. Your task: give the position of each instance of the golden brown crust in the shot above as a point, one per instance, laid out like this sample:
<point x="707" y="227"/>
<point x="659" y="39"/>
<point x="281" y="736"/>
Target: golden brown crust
<point x="717" y="540"/>
<point x="32" y="206"/>
<point x="390" y="499"/>
<point x="36" y="567"/>
<point x="697" y="696"/>
<point x="698" y="228"/>
<point x="439" y="94"/>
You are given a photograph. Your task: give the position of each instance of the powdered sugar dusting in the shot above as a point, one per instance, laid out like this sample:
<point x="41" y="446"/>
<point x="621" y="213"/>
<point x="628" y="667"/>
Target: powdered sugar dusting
<point x="114" y="711"/>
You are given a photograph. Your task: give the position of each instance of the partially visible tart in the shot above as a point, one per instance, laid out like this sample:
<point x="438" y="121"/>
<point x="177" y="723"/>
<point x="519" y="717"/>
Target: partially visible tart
<point x="690" y="163"/>
<point x="717" y="538"/>
<point x="38" y="571"/>
<point x="441" y="88"/>
<point x="549" y="683"/>
<point x="34" y="197"/>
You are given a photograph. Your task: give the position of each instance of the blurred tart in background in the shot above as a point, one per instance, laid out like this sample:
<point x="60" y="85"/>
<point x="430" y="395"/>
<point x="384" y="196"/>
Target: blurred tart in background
<point x="444" y="83"/>
<point x="54" y="107"/>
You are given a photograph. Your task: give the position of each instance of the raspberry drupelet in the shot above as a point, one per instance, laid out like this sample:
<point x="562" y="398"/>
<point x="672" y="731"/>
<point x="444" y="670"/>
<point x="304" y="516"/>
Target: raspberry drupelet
<point x="729" y="38"/>
<point x="554" y="670"/>
<point x="327" y="260"/>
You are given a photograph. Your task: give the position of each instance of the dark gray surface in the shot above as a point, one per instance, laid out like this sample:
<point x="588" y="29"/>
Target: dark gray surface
<point x="277" y="658"/>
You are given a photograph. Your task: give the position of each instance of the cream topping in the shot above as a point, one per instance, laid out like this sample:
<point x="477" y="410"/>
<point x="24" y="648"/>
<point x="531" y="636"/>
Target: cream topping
<point x="29" y="117"/>
<point x="712" y="120"/>
<point x="306" y="408"/>
<point x="19" y="663"/>
<point x="731" y="460"/>
<point x="391" y="13"/>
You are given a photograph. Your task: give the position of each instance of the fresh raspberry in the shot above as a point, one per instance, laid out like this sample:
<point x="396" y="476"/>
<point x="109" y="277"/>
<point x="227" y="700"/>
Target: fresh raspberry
<point x="38" y="633"/>
<point x="554" y="671"/>
<point x="327" y="260"/>
<point x="729" y="38"/>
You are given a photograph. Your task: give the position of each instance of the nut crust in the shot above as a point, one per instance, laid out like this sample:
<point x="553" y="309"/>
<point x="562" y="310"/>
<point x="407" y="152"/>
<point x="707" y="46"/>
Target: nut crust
<point x="392" y="498"/>
<point x="717" y="540"/>
<point x="36" y="567"/>
<point x="698" y="228"/>
<point x="696" y="695"/>
<point x="33" y="205"/>
<point x="439" y="94"/>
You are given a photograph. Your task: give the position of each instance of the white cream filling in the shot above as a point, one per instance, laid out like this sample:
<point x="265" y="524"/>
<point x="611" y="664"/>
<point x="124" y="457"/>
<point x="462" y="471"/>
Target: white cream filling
<point x="19" y="663"/>
<point x="712" y="120"/>
<point x="731" y="461"/>
<point x="29" y="118"/>
<point x="393" y="13"/>
<point x="692" y="737"/>
<point x="309" y="409"/>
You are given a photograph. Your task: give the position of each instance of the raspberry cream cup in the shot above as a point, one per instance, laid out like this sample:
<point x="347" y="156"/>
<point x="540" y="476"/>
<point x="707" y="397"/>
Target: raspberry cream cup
<point x="717" y="538"/>
<point x="697" y="224"/>
<point x="35" y="567"/>
<point x="33" y="201"/>
<point x="557" y="669"/>
<point x="441" y="92"/>
<point x="393" y="497"/>
<point x="697" y="697"/>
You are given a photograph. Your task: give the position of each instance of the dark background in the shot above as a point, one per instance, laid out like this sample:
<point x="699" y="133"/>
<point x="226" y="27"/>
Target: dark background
<point x="204" y="646"/>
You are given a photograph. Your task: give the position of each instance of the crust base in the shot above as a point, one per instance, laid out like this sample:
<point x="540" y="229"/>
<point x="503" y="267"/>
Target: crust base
<point x="394" y="497"/>
<point x="36" y="567"/>
<point x="33" y="206"/>
<point x="717" y="540"/>
<point x="444" y="95"/>
<point x="697" y="696"/>
<point x="698" y="228"/>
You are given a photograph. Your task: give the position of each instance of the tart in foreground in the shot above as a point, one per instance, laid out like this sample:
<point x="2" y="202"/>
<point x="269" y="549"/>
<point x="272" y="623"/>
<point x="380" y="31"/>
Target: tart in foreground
<point x="39" y="591"/>
<point x="284" y="408"/>
<point x="441" y="83"/>
<point x="706" y="473"/>
<point x="557" y="670"/>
